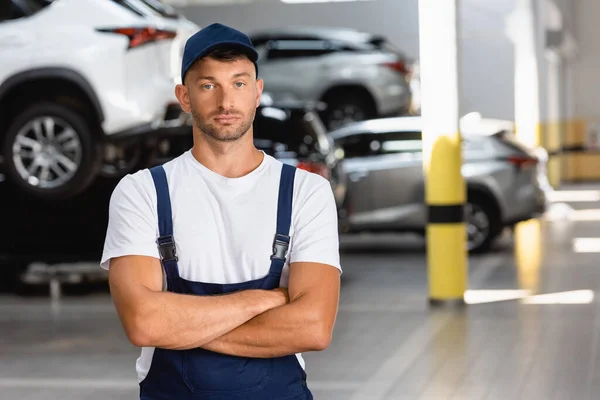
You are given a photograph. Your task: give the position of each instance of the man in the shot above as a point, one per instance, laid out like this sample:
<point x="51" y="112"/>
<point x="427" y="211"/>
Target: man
<point x="224" y="262"/>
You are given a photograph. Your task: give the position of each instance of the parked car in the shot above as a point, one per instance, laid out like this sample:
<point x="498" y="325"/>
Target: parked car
<point x="505" y="180"/>
<point x="83" y="85"/>
<point x="358" y="75"/>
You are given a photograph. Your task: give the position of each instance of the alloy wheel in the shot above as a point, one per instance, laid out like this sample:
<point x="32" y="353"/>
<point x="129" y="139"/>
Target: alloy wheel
<point x="345" y="114"/>
<point x="477" y="224"/>
<point x="47" y="152"/>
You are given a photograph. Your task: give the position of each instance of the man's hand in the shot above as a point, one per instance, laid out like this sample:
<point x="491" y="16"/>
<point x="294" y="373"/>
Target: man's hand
<point x="152" y="318"/>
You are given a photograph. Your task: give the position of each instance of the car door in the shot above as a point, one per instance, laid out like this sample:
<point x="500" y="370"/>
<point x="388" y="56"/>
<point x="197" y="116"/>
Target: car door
<point x="358" y="160"/>
<point x="397" y="179"/>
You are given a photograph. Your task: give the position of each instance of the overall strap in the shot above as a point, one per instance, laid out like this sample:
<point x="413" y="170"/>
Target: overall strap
<point x="281" y="242"/>
<point x="165" y="240"/>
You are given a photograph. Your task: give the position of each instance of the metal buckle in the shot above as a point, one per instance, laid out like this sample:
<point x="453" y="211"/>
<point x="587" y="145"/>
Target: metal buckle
<point x="281" y="244"/>
<point x="166" y="248"/>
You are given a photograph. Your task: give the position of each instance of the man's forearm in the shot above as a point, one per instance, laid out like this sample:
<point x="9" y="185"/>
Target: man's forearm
<point x="176" y="321"/>
<point x="281" y="331"/>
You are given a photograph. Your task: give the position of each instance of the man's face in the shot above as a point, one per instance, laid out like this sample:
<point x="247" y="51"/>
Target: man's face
<point x="222" y="96"/>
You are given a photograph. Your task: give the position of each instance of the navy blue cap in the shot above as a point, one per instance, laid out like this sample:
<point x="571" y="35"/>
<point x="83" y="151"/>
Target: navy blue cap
<point x="215" y="36"/>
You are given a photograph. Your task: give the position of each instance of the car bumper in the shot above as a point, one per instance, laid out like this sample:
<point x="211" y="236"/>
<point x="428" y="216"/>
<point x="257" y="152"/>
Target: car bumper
<point x="173" y="122"/>
<point x="538" y="208"/>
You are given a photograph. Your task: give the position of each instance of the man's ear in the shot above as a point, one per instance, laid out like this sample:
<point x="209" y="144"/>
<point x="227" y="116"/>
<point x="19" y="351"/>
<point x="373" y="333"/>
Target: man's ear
<point x="181" y="92"/>
<point x="260" y="85"/>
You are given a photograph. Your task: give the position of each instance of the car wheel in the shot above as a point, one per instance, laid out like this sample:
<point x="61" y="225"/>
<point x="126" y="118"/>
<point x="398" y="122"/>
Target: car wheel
<point x="120" y="160"/>
<point x="49" y="152"/>
<point x="347" y="108"/>
<point x="480" y="225"/>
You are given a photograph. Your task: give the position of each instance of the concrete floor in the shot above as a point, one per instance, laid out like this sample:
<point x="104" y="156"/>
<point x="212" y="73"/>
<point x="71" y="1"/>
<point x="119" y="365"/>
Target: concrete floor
<point x="388" y="344"/>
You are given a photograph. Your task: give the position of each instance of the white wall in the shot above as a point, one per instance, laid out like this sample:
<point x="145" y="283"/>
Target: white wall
<point x="586" y="66"/>
<point x="487" y="59"/>
<point x="487" y="54"/>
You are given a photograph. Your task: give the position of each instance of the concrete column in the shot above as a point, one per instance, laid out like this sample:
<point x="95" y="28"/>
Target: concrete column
<point x="552" y="127"/>
<point x="543" y="49"/>
<point x="445" y="191"/>
<point x="551" y="32"/>
<point x="521" y="29"/>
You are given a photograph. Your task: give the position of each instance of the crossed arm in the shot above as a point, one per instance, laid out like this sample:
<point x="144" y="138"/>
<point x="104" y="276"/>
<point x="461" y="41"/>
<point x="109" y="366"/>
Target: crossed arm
<point x="252" y="323"/>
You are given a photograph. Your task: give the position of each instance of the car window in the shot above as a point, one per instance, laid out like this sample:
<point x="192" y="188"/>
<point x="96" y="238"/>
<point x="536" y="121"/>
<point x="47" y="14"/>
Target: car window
<point x="399" y="142"/>
<point x="33" y="6"/>
<point x="509" y="138"/>
<point x="10" y="11"/>
<point x="382" y="43"/>
<point x="130" y="6"/>
<point x="357" y="145"/>
<point x="286" y="49"/>
<point x="15" y="9"/>
<point x="160" y="8"/>
<point x="333" y="43"/>
<point x="260" y="40"/>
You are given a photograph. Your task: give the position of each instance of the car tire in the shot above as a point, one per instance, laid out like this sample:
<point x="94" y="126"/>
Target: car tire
<point x="482" y="225"/>
<point x="131" y="158"/>
<point x="54" y="141"/>
<point x="343" y="108"/>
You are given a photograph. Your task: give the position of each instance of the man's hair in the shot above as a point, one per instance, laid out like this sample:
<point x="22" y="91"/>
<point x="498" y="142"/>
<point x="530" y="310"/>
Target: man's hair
<point x="227" y="54"/>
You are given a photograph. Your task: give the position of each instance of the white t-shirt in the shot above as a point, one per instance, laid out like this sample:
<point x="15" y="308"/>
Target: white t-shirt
<point x="223" y="227"/>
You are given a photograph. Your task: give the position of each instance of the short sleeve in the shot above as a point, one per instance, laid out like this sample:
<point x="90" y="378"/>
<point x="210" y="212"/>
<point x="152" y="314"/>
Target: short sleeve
<point x="132" y="222"/>
<point x="315" y="236"/>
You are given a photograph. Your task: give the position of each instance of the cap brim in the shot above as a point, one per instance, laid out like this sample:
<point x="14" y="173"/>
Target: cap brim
<point x="250" y="51"/>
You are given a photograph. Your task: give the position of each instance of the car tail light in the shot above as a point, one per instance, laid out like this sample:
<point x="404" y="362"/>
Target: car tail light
<point x="140" y="36"/>
<point x="522" y="161"/>
<point x="315" y="167"/>
<point x="398" y="66"/>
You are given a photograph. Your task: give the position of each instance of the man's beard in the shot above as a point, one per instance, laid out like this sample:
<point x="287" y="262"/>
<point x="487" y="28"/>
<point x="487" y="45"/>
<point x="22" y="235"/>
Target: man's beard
<point x="226" y="134"/>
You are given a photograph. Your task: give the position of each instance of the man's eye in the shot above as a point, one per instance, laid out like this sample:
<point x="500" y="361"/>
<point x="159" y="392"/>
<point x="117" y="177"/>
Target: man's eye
<point x="240" y="84"/>
<point x="207" y="86"/>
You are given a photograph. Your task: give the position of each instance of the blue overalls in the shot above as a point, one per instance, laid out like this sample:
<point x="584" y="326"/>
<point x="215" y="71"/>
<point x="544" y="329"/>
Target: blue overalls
<point x="202" y="374"/>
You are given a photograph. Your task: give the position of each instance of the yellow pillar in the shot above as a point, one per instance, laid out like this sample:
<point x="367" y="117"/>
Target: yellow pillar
<point x="528" y="254"/>
<point x="445" y="191"/>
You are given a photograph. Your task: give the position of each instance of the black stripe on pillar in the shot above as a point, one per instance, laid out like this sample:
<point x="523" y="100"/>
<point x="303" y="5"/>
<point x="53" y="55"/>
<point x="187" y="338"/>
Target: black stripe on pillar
<point x="451" y="214"/>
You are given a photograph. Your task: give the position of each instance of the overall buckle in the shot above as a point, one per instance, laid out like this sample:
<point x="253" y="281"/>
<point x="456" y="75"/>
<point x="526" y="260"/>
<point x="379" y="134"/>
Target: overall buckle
<point x="166" y="248"/>
<point x="281" y="244"/>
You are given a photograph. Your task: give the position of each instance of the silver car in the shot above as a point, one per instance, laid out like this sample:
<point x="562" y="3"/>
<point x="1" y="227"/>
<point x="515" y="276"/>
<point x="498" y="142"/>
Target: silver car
<point x="506" y="181"/>
<point x="358" y="75"/>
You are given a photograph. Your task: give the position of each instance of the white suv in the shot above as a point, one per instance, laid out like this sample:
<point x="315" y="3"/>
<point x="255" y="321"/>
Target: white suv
<point x="80" y="82"/>
<point x="358" y="75"/>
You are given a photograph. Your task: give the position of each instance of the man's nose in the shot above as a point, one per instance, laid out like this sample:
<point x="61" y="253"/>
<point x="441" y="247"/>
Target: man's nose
<point x="226" y="98"/>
